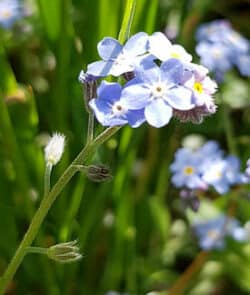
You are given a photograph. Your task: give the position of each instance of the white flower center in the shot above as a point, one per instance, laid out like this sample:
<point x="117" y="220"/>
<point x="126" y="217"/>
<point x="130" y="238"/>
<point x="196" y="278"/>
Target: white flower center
<point x="118" y="109"/>
<point x="217" y="53"/>
<point x="158" y="90"/>
<point x="121" y="59"/>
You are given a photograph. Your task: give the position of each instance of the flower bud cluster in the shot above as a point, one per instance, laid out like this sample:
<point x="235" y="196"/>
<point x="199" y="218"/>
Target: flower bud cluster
<point x="162" y="83"/>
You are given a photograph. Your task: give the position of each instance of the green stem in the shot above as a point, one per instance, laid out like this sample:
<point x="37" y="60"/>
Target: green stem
<point x="47" y="174"/>
<point x="83" y="157"/>
<point x="37" y="250"/>
<point x="90" y="134"/>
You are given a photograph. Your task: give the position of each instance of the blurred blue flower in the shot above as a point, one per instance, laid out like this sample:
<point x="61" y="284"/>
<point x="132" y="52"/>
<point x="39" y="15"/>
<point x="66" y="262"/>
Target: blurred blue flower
<point x="111" y="110"/>
<point x="158" y="91"/>
<point x="220" y="48"/>
<point x="186" y="170"/>
<point x="10" y="11"/>
<point x="211" y="234"/>
<point x="222" y="173"/>
<point x="118" y="59"/>
<point x="206" y="166"/>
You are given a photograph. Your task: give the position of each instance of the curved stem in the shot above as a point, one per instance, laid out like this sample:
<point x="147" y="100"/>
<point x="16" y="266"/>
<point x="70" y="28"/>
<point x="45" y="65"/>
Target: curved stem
<point x="83" y="157"/>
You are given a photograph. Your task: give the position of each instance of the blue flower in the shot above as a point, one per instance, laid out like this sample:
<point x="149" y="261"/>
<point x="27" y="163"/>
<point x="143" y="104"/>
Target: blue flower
<point x="206" y="166"/>
<point x="186" y="170"/>
<point x="243" y="64"/>
<point x="220" y="48"/>
<point x="118" y="59"/>
<point x="110" y="108"/>
<point x="10" y="11"/>
<point x="157" y="90"/>
<point x="162" y="49"/>
<point x="214" y="56"/>
<point x="223" y="173"/>
<point x="212" y="233"/>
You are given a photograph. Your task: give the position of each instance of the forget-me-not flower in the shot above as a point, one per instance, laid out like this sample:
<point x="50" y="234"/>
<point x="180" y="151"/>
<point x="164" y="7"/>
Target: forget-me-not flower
<point x="222" y="173"/>
<point x="220" y="48"/>
<point x="211" y="234"/>
<point x="161" y="48"/>
<point x="111" y="109"/>
<point x="118" y="59"/>
<point x="10" y="11"/>
<point x="163" y="83"/>
<point x="186" y="170"/>
<point x="158" y="91"/>
<point x="206" y="167"/>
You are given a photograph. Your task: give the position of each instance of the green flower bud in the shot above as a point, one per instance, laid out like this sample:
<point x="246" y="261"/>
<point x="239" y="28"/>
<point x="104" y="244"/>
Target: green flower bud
<point x="98" y="173"/>
<point x="64" y="252"/>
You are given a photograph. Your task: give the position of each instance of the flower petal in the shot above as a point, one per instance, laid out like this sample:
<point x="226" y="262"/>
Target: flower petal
<point x="135" y="96"/>
<point x="159" y="46"/>
<point x="109" y="48"/>
<point x="137" y="44"/>
<point x="172" y="70"/>
<point x="135" y="118"/>
<point x="180" y="98"/>
<point x="100" y="68"/>
<point x="109" y="91"/>
<point x="158" y="113"/>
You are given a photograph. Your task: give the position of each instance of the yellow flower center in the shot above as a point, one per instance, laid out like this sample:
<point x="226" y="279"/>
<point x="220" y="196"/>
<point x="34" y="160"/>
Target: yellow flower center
<point x="213" y="234"/>
<point x="5" y="13"/>
<point x="188" y="170"/>
<point x="198" y="87"/>
<point x="175" y="55"/>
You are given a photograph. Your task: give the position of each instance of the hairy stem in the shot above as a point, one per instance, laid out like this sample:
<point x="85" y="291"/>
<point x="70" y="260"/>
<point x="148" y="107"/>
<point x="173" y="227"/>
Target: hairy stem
<point x="83" y="157"/>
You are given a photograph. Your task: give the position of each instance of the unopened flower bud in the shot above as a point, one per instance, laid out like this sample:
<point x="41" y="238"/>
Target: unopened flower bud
<point x="190" y="199"/>
<point x="98" y="173"/>
<point x="54" y="149"/>
<point x="90" y="86"/>
<point x="64" y="252"/>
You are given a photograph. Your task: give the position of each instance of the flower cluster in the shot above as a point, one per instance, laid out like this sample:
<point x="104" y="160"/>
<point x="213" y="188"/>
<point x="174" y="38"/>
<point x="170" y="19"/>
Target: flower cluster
<point x="10" y="11"/>
<point x="212" y="233"/>
<point x="162" y="83"/>
<point x="206" y="166"/>
<point x="220" y="48"/>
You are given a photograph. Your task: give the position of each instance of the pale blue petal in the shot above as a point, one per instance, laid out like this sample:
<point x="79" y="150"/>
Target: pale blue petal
<point x="135" y="118"/>
<point x="100" y="68"/>
<point x="100" y="108"/>
<point x="148" y="73"/>
<point x="172" y="70"/>
<point x="158" y="113"/>
<point x="135" y="96"/>
<point x="109" y="91"/>
<point x="180" y="98"/>
<point x="137" y="44"/>
<point x="109" y="48"/>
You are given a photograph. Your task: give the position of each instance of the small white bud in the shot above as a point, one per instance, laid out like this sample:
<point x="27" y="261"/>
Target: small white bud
<point x="54" y="149"/>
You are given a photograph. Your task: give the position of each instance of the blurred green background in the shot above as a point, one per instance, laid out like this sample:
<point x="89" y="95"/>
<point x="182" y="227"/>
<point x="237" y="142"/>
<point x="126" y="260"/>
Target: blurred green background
<point x="133" y="231"/>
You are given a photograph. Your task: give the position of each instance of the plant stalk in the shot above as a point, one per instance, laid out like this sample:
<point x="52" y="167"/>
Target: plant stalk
<point x="83" y="157"/>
